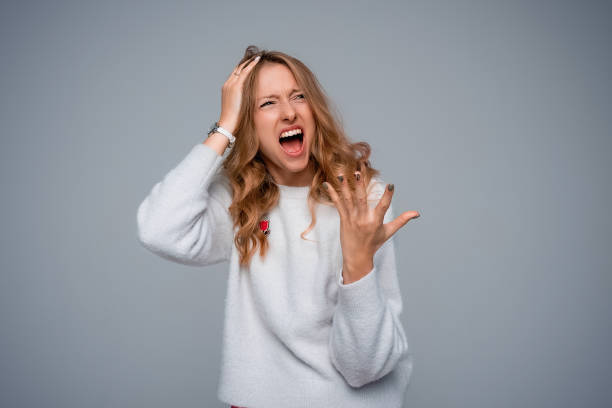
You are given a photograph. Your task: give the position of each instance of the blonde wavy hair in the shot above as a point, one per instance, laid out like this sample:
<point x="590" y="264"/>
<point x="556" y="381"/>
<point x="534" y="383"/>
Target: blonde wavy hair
<point x="254" y="190"/>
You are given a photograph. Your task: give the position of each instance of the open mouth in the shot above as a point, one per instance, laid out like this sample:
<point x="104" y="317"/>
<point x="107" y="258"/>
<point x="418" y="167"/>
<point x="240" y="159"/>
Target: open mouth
<point x="292" y="141"/>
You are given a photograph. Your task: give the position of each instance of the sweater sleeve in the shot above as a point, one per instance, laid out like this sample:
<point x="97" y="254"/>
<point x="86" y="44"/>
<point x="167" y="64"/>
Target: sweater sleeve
<point x="185" y="217"/>
<point x="367" y="339"/>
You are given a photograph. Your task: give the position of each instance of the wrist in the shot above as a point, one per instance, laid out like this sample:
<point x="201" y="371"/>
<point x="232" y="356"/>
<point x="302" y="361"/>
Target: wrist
<point x="218" y="128"/>
<point x="217" y="142"/>
<point x="227" y="125"/>
<point x="355" y="269"/>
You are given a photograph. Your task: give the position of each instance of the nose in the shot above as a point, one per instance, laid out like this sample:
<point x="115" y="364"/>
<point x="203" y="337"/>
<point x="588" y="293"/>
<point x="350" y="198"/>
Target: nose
<point x="288" y="111"/>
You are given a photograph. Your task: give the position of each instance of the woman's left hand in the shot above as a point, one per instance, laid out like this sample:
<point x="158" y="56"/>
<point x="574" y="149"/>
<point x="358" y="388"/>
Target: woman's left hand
<point x="362" y="230"/>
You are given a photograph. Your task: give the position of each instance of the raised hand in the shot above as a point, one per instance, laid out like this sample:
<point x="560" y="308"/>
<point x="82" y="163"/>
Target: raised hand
<point x="362" y="230"/>
<point x="231" y="99"/>
<point x="231" y="94"/>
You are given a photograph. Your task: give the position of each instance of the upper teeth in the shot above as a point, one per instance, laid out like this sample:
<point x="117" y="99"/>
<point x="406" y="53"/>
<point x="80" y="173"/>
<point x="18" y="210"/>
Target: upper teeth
<point x="291" y="133"/>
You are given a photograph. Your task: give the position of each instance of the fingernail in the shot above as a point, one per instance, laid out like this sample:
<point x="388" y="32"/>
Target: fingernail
<point x="357" y="176"/>
<point x="391" y="187"/>
<point x="325" y="185"/>
<point x="341" y="178"/>
<point x="257" y="57"/>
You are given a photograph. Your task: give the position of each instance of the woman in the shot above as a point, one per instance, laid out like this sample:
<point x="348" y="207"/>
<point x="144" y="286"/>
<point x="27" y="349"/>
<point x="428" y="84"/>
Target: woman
<point x="312" y="314"/>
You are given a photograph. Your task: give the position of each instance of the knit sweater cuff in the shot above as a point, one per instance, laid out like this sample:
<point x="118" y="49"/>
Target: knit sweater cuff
<point x="360" y="298"/>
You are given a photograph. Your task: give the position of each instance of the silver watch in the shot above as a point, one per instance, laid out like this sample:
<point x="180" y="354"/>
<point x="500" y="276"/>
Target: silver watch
<point x="216" y="128"/>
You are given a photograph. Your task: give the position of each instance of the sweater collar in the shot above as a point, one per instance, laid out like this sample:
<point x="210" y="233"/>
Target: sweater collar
<point x="293" y="192"/>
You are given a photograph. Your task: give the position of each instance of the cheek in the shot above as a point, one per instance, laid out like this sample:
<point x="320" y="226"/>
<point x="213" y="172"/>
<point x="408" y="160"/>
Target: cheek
<point x="309" y="117"/>
<point x="307" y="109"/>
<point x="266" y="142"/>
<point x="259" y="124"/>
<point x="264" y="126"/>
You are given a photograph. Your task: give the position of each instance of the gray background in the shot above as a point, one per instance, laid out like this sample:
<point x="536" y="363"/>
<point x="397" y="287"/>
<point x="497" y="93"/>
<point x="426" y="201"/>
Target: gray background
<point x="492" y="118"/>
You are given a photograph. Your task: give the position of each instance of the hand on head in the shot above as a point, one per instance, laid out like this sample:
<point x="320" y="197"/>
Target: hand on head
<point x="231" y="94"/>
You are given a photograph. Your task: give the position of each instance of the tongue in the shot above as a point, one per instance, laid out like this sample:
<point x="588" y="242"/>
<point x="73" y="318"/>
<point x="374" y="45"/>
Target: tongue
<point x="292" y="146"/>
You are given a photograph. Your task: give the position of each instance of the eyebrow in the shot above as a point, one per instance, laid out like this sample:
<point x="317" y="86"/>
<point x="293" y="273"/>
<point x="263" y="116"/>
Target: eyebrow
<point x="276" y="96"/>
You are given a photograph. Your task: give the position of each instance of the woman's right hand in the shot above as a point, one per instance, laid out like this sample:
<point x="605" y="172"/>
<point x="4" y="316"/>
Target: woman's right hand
<point x="231" y="94"/>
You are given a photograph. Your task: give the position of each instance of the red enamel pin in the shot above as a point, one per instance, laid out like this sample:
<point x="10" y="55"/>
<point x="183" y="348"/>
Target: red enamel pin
<point x="264" y="226"/>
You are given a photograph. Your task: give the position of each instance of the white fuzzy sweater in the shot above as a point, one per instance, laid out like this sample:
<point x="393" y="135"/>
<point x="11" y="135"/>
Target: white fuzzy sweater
<point x="294" y="334"/>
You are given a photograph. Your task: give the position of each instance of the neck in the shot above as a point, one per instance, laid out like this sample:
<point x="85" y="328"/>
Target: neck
<point x="301" y="179"/>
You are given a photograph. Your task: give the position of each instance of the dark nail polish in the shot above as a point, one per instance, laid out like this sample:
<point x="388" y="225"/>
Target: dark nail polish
<point x="391" y="187"/>
<point x="341" y="178"/>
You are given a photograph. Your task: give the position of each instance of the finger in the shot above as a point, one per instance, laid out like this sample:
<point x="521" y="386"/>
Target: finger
<point x="384" y="203"/>
<point x="241" y="66"/>
<point x="335" y="199"/>
<point x="246" y="69"/>
<point x="245" y="66"/>
<point x="236" y="71"/>
<point x="346" y="195"/>
<point x="391" y="227"/>
<point x="361" y="199"/>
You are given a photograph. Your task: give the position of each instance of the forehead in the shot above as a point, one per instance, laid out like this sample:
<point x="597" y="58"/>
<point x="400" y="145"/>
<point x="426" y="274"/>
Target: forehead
<point x="274" y="79"/>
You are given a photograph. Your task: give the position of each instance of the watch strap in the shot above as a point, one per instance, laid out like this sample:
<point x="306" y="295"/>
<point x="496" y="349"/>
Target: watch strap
<point x="224" y="132"/>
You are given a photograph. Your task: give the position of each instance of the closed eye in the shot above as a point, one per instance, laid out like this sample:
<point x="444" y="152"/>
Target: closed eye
<point x="302" y="96"/>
